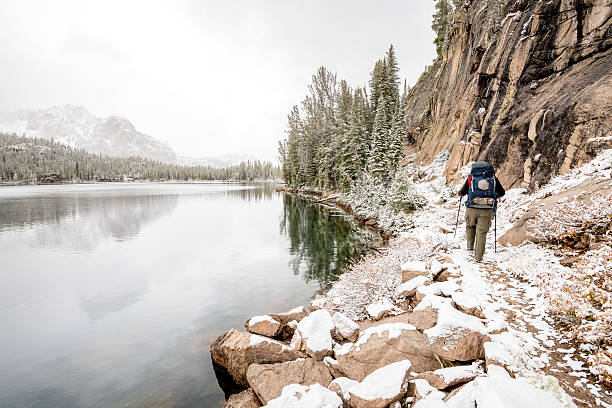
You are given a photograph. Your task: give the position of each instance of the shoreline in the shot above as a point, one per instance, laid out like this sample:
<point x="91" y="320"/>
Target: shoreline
<point x="425" y="293"/>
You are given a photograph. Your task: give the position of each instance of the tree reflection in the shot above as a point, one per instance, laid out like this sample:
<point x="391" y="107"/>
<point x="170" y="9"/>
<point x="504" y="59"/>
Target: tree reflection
<point x="321" y="242"/>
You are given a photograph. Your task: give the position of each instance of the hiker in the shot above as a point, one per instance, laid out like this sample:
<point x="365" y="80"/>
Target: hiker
<point x="483" y="189"/>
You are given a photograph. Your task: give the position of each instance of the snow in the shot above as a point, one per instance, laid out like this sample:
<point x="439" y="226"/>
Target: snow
<point x="409" y="287"/>
<point x="438" y="288"/>
<point x="426" y="391"/>
<point x="299" y="309"/>
<point x="435" y="267"/>
<point x="433" y="301"/>
<point x="260" y="319"/>
<point x="394" y="330"/>
<point x="345" y="326"/>
<point x="257" y="339"/>
<point x="511" y="393"/>
<point x="465" y="300"/>
<point x="379" y="309"/>
<point x="342" y="349"/>
<point x="495" y="351"/>
<point x="315" y="330"/>
<point x="430" y="403"/>
<point x="302" y="396"/>
<point x="457" y="373"/>
<point x="495" y="371"/>
<point x="344" y="384"/>
<point x="385" y="382"/>
<point x="450" y="323"/>
<point x="414" y="266"/>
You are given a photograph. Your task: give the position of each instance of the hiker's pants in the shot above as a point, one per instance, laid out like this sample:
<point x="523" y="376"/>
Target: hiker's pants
<point x="477" y="224"/>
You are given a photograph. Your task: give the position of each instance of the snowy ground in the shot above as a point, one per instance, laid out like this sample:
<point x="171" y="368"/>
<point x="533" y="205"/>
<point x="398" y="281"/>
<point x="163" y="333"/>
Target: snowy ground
<point x="524" y="291"/>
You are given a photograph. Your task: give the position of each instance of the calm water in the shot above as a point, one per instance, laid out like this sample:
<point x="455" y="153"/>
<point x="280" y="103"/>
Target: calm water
<point x="111" y="294"/>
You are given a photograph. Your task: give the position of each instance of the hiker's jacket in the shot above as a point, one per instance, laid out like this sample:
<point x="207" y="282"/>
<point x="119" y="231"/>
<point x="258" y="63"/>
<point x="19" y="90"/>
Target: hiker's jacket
<point x="499" y="190"/>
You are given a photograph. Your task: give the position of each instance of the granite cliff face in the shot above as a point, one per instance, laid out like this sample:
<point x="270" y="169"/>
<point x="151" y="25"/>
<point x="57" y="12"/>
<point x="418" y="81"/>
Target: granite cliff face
<point x="526" y="85"/>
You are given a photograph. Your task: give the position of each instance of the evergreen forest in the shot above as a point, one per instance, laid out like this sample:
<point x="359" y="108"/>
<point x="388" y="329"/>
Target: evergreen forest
<point x="24" y="159"/>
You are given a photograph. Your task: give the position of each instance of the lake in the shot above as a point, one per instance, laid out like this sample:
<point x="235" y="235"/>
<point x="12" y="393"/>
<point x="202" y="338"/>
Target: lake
<point x="110" y="294"/>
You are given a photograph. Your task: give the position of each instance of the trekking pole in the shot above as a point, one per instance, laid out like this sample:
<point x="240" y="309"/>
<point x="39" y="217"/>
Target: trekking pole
<point x="495" y="214"/>
<point x="457" y="222"/>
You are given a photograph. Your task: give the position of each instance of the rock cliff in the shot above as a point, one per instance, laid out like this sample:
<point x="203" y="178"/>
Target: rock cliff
<point x="526" y="85"/>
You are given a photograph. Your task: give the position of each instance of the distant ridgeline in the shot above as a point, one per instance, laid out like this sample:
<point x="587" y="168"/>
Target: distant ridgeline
<point x="40" y="160"/>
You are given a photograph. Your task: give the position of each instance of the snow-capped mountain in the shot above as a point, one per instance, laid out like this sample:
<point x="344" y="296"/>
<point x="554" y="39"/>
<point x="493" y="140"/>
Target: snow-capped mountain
<point x="76" y="127"/>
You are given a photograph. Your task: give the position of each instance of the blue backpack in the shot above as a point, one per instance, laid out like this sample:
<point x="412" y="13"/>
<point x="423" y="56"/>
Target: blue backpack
<point x="481" y="192"/>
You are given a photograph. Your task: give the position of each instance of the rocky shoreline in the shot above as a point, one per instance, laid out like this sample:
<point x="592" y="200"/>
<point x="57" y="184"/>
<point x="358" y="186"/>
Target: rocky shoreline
<point x="435" y="347"/>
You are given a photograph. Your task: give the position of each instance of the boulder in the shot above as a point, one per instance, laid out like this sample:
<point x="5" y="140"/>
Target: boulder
<point x="381" y="309"/>
<point x="385" y="344"/>
<point x="235" y="351"/>
<point x="433" y="302"/>
<point x="435" y="268"/>
<point x="495" y="354"/>
<point x="449" y="377"/>
<point x="382" y="387"/>
<point x="457" y="336"/>
<point x="318" y="304"/>
<point x="306" y="396"/>
<point x="413" y="269"/>
<point x="409" y="288"/>
<point x="467" y="303"/>
<point x="268" y="380"/>
<point x="264" y="325"/>
<point x="288" y="330"/>
<point x="334" y="367"/>
<point x="345" y="328"/>
<point x="423" y="319"/>
<point x="421" y="389"/>
<point x="341" y="386"/>
<point x="445" y="288"/>
<point x="315" y="330"/>
<point x="244" y="399"/>
<point x="493" y="370"/>
<point x="296" y="314"/>
<point x="501" y="393"/>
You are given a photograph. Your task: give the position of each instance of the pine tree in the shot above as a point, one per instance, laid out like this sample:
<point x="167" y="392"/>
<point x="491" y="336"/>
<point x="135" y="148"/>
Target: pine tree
<point x="442" y="20"/>
<point x="391" y="82"/>
<point x="378" y="162"/>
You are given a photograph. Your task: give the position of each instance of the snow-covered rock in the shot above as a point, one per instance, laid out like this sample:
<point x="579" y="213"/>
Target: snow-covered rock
<point x="435" y="267"/>
<point x="333" y="366"/>
<point x="495" y="354"/>
<point x="296" y="314"/>
<point x="437" y="288"/>
<point x="413" y="269"/>
<point x="385" y="344"/>
<point x="236" y="351"/>
<point x="315" y="331"/>
<point x="382" y="387"/>
<point x="457" y="336"/>
<point x="448" y="377"/>
<point x="493" y="370"/>
<point x="302" y="396"/>
<point x="268" y="380"/>
<point x="433" y="302"/>
<point x="345" y="327"/>
<point x="318" y="304"/>
<point x="421" y="389"/>
<point x="341" y="386"/>
<point x="467" y="303"/>
<point x="409" y="288"/>
<point x="381" y="309"/>
<point x="264" y="325"/>
<point x="489" y="392"/>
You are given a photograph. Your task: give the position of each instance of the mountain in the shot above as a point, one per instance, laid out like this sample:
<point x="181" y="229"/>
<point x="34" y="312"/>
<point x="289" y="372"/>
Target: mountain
<point x="525" y="86"/>
<point x="75" y="126"/>
<point x="226" y="160"/>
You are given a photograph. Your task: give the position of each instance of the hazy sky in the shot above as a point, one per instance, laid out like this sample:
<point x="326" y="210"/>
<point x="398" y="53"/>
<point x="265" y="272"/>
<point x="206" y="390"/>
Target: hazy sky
<point x="207" y="77"/>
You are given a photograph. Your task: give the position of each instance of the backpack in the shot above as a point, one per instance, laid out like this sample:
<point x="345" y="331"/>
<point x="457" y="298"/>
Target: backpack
<point x="481" y="191"/>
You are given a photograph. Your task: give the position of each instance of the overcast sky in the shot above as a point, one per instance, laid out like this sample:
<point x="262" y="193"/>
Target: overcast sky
<point x="207" y="77"/>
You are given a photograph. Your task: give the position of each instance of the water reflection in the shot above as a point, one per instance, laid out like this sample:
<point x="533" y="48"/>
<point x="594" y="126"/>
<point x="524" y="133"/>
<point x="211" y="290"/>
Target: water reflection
<point x="111" y="294"/>
<point x="321" y="242"/>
